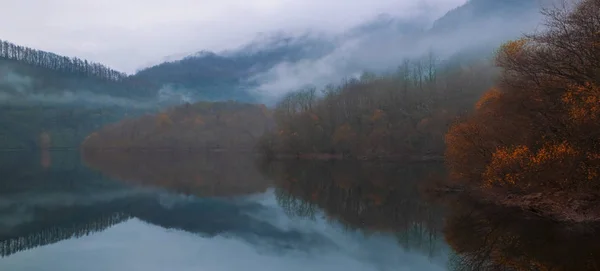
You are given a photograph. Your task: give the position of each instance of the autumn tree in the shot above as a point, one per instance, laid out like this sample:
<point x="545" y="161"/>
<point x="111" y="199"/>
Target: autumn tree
<point x="536" y="130"/>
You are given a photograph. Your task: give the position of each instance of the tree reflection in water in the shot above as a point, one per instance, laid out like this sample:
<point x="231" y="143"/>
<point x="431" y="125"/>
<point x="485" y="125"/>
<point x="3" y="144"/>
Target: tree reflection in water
<point x="493" y="238"/>
<point x="363" y="196"/>
<point x="206" y="174"/>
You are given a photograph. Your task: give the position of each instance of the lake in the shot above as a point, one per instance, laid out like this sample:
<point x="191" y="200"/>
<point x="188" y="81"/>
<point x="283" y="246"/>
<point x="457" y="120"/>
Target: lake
<point x="219" y="211"/>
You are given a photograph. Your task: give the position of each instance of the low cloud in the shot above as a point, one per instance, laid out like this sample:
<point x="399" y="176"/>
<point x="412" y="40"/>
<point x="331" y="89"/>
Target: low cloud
<point x="386" y="48"/>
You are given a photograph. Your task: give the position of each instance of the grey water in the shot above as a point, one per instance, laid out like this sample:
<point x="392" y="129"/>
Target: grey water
<point x="62" y="211"/>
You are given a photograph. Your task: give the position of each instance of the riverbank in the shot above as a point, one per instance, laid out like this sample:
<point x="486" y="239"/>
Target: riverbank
<point x="558" y="206"/>
<point x="329" y="156"/>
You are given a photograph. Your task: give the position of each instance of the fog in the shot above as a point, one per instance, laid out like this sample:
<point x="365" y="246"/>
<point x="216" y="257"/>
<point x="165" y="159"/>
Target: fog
<point x="385" y="49"/>
<point x="128" y="35"/>
<point x="21" y="89"/>
<point x="362" y="40"/>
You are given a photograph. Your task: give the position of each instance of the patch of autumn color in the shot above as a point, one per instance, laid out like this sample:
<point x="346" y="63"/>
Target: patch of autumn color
<point x="513" y="49"/>
<point x="488" y="97"/>
<point x="506" y="166"/>
<point x="343" y="133"/>
<point x="163" y="120"/>
<point x="466" y="153"/>
<point x="552" y="166"/>
<point x="584" y="103"/>
<point x="377" y="115"/>
<point x="553" y="153"/>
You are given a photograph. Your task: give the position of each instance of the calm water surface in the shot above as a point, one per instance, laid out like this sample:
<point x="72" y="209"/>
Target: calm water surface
<point x="62" y="211"/>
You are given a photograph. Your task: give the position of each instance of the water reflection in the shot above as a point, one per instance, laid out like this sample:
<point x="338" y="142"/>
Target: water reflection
<point x="43" y="203"/>
<point x="286" y="215"/>
<point x="366" y="197"/>
<point x="201" y="174"/>
<point x="486" y="237"/>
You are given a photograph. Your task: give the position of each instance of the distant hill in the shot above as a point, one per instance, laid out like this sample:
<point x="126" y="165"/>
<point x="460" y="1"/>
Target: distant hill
<point x="481" y="10"/>
<point x="224" y="76"/>
<point x="26" y="71"/>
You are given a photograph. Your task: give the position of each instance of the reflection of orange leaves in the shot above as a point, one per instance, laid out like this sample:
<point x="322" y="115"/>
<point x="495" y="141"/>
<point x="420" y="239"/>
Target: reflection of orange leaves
<point x="45" y="140"/>
<point x="46" y="160"/>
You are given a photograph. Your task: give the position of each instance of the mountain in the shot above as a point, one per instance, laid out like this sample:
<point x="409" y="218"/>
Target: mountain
<point x="481" y="10"/>
<point x="25" y="71"/>
<point x="277" y="63"/>
<point x="224" y="76"/>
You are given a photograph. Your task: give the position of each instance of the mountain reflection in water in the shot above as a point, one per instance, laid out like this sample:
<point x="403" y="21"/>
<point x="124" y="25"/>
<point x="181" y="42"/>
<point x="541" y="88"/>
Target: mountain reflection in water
<point x="172" y="211"/>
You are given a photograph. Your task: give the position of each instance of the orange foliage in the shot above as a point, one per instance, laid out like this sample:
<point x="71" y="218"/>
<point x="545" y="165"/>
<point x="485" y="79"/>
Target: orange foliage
<point x="490" y="96"/>
<point x="377" y="115"/>
<point x="343" y="133"/>
<point x="584" y="103"/>
<point x="538" y="130"/>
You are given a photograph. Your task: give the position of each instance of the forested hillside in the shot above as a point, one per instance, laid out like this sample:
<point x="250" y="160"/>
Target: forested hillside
<point x="400" y="115"/>
<point x="225" y="76"/>
<point x="199" y="126"/>
<point x="26" y="71"/>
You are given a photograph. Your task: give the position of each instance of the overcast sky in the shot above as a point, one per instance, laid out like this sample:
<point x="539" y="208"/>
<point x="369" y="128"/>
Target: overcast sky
<point x="128" y="34"/>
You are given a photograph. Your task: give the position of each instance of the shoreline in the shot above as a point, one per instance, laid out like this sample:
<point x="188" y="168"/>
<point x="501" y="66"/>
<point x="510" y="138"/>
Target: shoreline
<point x="559" y="206"/>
